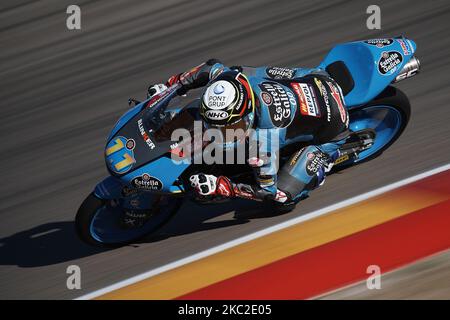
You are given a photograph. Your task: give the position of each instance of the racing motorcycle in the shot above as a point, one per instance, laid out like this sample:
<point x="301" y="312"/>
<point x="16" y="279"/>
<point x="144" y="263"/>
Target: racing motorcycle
<point x="146" y="186"/>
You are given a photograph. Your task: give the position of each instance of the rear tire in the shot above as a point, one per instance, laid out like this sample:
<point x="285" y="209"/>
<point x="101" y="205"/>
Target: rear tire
<point x="394" y="98"/>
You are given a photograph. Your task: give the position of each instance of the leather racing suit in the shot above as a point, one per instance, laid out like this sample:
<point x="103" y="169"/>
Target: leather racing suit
<point x="295" y="105"/>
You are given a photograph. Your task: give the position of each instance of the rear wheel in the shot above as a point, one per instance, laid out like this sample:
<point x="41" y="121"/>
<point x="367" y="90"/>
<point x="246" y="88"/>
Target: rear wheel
<point x="387" y="115"/>
<point x="100" y="222"/>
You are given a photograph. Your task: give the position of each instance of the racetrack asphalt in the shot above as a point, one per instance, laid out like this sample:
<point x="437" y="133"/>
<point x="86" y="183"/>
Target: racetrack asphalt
<point x="61" y="92"/>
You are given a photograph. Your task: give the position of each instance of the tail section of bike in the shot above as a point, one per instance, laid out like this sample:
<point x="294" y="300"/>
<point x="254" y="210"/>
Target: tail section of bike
<point x="366" y="71"/>
<point x="366" y="68"/>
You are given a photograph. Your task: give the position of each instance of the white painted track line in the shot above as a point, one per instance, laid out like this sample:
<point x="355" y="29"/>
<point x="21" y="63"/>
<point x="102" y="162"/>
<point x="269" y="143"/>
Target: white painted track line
<point x="261" y="233"/>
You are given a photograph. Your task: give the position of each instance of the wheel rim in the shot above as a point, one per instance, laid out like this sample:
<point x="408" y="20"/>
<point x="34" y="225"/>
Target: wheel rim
<point x="105" y="225"/>
<point x="385" y="120"/>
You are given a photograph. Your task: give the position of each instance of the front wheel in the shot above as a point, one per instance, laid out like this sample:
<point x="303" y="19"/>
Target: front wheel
<point x="101" y="222"/>
<point x="387" y="115"/>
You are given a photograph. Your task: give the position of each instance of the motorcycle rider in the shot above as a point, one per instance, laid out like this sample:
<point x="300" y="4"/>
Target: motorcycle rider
<point x="298" y="104"/>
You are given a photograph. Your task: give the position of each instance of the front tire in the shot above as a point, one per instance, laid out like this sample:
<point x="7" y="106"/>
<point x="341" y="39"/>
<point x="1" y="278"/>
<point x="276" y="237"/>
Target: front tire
<point x="93" y="209"/>
<point x="84" y="218"/>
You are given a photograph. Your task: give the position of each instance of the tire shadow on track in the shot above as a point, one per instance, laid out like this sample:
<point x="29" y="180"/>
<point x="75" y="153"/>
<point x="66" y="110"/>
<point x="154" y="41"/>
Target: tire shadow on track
<point x="194" y="218"/>
<point x="47" y="244"/>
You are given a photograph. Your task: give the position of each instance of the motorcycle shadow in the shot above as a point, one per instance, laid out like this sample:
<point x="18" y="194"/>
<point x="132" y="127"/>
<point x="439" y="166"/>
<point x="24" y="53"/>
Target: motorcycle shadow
<point x="44" y="245"/>
<point x="195" y="217"/>
<point x="57" y="242"/>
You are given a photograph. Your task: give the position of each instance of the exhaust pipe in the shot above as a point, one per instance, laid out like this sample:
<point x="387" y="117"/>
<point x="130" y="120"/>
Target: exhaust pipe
<point x="409" y="70"/>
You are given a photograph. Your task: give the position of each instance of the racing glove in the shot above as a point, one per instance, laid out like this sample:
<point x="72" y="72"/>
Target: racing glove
<point x="209" y="185"/>
<point x="195" y="78"/>
<point x="155" y="89"/>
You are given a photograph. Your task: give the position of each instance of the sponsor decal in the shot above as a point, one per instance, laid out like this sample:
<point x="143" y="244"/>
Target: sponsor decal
<point x="216" y="114"/>
<point x="220" y="95"/>
<point x="380" y="43"/>
<point x="335" y="93"/>
<point x="405" y="47"/>
<point x="295" y="157"/>
<point x="301" y="98"/>
<point x="147" y="182"/>
<point x="130" y="144"/>
<point x="266" y="98"/>
<point x="316" y="160"/>
<point x="280" y="73"/>
<point x="282" y="101"/>
<point x="307" y="99"/>
<point x="144" y="135"/>
<point x="311" y="100"/>
<point x="341" y="159"/>
<point x="119" y="154"/>
<point x="324" y="94"/>
<point x="217" y="102"/>
<point x="389" y="61"/>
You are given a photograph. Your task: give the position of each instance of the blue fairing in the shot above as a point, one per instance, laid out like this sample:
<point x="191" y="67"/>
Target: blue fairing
<point x="109" y="188"/>
<point x="165" y="169"/>
<point x="125" y="118"/>
<point x="362" y="60"/>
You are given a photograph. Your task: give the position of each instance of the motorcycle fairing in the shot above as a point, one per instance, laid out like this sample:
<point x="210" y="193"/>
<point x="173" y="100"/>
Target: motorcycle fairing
<point x="362" y="58"/>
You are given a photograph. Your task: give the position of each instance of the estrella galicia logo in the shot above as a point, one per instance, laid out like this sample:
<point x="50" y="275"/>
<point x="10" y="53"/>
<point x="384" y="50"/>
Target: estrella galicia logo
<point x="147" y="182"/>
<point x="380" y="43"/>
<point x="279" y="102"/>
<point x="278" y="73"/>
<point x="389" y="61"/>
<point x="119" y="154"/>
<point x="315" y="161"/>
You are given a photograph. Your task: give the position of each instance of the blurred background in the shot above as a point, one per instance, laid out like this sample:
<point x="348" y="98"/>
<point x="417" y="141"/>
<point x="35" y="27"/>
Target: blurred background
<point x="62" y="90"/>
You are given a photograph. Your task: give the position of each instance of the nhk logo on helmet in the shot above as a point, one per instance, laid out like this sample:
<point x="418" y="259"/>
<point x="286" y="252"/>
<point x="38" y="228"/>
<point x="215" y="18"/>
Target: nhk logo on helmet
<point x="216" y="114"/>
